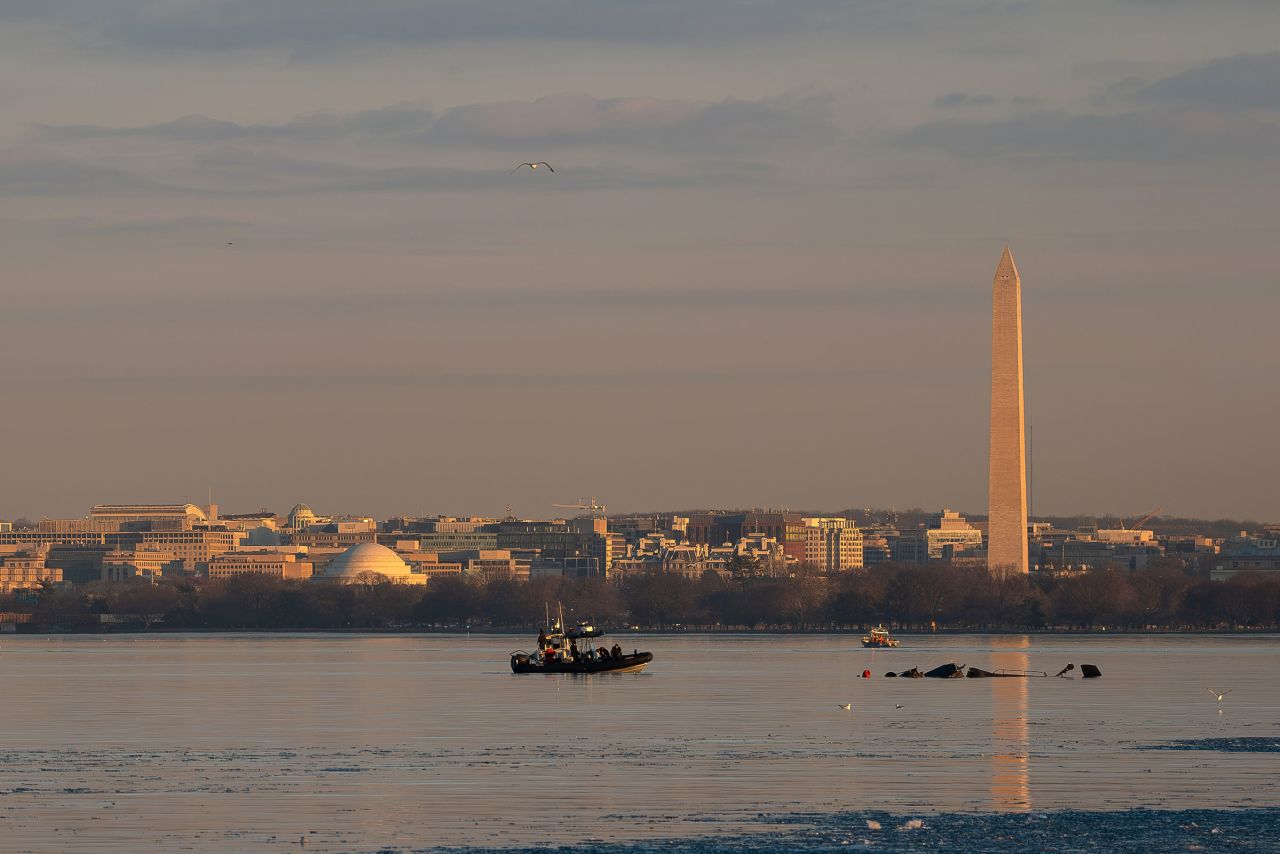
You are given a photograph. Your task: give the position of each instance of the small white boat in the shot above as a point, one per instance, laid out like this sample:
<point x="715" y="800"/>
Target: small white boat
<point x="879" y="637"/>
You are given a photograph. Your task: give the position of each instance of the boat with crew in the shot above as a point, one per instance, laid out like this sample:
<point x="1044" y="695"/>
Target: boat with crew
<point x="879" y="638"/>
<point x="558" y="652"/>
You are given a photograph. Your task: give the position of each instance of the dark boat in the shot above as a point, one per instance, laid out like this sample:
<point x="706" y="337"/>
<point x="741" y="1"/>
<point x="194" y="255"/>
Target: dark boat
<point x="522" y="662"/>
<point x="558" y="653"/>
<point x="946" y="671"/>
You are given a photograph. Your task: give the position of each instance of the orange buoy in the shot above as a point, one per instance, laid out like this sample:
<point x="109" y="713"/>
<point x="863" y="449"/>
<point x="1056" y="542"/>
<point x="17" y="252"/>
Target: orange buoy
<point x="866" y="674"/>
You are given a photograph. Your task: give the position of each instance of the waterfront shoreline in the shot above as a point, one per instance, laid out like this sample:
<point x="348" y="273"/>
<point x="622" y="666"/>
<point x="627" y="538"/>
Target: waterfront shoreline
<point x="692" y="632"/>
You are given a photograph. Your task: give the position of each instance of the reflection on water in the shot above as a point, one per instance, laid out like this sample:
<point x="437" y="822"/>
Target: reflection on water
<point x="246" y="742"/>
<point x="1010" y="773"/>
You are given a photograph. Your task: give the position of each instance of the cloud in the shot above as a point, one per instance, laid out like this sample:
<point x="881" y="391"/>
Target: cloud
<point x="562" y="119"/>
<point x="952" y="100"/>
<point x="30" y="174"/>
<point x="1244" y="80"/>
<point x="386" y="122"/>
<point x="487" y="302"/>
<point x="1135" y="136"/>
<point x="310" y="383"/>
<point x="250" y="172"/>
<point x="324" y="25"/>
<point x="719" y="143"/>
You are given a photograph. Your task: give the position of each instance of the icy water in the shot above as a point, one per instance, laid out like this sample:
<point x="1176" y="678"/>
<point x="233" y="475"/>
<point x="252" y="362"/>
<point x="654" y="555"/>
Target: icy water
<point x="365" y="743"/>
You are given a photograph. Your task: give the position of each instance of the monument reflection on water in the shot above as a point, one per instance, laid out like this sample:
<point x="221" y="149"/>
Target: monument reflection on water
<point x="1010" y="766"/>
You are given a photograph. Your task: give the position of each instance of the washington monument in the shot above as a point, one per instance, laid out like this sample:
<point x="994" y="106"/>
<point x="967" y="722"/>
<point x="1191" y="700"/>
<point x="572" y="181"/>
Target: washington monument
<point x="1007" y="495"/>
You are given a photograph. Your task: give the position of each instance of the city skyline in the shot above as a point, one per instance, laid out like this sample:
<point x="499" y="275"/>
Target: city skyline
<point x="251" y="249"/>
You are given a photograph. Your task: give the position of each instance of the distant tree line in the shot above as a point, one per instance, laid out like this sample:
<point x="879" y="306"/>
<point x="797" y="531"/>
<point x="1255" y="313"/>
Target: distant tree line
<point x="902" y="596"/>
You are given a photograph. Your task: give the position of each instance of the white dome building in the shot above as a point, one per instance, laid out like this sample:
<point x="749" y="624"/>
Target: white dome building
<point x="362" y="564"/>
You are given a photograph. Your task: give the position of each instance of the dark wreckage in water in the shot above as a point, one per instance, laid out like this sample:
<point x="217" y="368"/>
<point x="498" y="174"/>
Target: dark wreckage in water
<point x="959" y="671"/>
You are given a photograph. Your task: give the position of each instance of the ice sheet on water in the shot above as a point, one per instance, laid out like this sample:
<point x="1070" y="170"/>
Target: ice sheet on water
<point x="1241" y="744"/>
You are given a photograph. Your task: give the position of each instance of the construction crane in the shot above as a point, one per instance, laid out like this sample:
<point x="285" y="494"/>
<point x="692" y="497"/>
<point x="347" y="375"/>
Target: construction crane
<point x="592" y="506"/>
<point x="1147" y="518"/>
<point x="1138" y="524"/>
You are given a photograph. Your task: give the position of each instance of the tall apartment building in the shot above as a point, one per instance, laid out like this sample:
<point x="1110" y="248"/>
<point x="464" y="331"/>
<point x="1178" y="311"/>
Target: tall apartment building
<point x="832" y="544"/>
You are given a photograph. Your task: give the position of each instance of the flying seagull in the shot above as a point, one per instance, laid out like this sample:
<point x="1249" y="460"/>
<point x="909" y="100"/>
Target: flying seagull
<point x="898" y="706"/>
<point x="1218" y="694"/>
<point x="533" y="166"/>
<point x="846" y="706"/>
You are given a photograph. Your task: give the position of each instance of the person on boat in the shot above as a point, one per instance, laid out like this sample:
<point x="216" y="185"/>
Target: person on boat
<point x="616" y="652"/>
<point x="548" y="655"/>
<point x="542" y="638"/>
<point x="573" y="650"/>
<point x="602" y="654"/>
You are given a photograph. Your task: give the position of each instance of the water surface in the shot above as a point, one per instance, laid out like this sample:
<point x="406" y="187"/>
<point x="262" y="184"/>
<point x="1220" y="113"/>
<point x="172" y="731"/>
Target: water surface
<point x="251" y="742"/>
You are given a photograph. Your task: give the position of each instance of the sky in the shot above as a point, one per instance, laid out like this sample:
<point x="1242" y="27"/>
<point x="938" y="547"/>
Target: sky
<point x="276" y="250"/>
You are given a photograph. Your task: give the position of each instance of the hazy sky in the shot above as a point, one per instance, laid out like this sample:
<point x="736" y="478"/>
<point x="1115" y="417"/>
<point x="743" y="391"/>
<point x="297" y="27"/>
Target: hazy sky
<point x="761" y="274"/>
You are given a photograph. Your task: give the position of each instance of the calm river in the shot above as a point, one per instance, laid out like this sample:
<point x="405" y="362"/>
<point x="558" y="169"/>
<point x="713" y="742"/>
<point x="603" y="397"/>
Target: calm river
<point x="251" y="742"/>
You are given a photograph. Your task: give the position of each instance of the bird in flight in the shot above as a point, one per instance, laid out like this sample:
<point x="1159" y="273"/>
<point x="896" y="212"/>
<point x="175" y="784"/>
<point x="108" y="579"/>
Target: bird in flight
<point x="534" y="166"/>
<point x="898" y="706"/>
<point x="846" y="706"/>
<point x="1218" y="694"/>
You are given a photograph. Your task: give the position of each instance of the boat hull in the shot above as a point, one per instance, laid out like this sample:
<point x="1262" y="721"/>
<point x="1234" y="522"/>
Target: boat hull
<point x="625" y="664"/>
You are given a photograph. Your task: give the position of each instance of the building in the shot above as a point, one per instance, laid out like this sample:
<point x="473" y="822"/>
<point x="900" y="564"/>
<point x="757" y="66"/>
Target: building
<point x="488" y="563"/>
<point x="370" y="563"/>
<point x="689" y="560"/>
<point x="25" y="569"/>
<point x="194" y="547"/>
<point x="330" y="536"/>
<point x="1246" y="554"/>
<point x="301" y="517"/>
<point x="585" y="538"/>
<point x="943" y="536"/>
<point x="1007" y="481"/>
<point x="832" y="544"/>
<point x="141" y="562"/>
<point x="452" y="541"/>
<point x="178" y="516"/>
<point x="1095" y="554"/>
<point x="428" y="564"/>
<point x="949" y="529"/>
<point x="281" y="564"/>
<point x="714" y="528"/>
<point x="766" y="552"/>
<point x="250" y="521"/>
<point x="194" y="544"/>
<point x="1124" y="535"/>
<point x="877" y="545"/>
